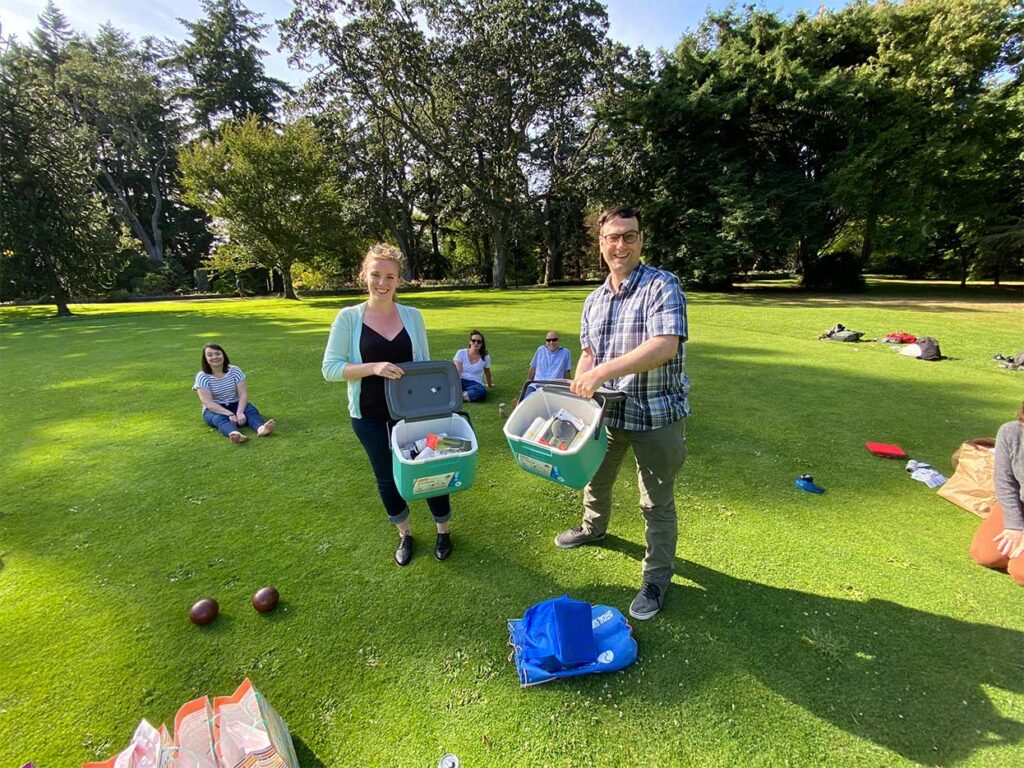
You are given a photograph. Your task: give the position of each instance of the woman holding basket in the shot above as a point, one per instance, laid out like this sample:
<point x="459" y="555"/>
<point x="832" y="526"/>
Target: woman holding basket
<point x="368" y="344"/>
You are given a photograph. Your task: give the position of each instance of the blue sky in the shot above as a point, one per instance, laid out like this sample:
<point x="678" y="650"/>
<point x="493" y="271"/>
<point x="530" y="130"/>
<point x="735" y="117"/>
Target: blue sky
<point x="651" y="23"/>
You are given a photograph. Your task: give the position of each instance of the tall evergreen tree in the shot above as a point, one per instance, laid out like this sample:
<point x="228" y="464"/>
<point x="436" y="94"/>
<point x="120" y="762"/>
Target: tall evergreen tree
<point x="55" y="234"/>
<point x="222" y="68"/>
<point x="51" y="38"/>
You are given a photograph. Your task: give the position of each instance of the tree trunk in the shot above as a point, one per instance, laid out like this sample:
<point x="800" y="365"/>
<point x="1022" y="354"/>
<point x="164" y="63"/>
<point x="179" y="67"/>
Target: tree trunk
<point x="158" y="204"/>
<point x="553" y="261"/>
<point x="433" y="237"/>
<point x="286" y="276"/>
<point x="121" y="204"/>
<point x="60" y="294"/>
<point x="405" y="246"/>
<point x="958" y="251"/>
<point x="500" y="256"/>
<point x="486" y="253"/>
<point x="868" y="246"/>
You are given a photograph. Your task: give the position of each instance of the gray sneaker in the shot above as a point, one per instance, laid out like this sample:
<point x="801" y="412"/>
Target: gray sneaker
<point x="647" y="602"/>
<point x="576" y="536"/>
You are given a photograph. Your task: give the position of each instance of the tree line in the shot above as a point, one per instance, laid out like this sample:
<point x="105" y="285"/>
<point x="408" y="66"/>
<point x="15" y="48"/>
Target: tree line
<point x="480" y="136"/>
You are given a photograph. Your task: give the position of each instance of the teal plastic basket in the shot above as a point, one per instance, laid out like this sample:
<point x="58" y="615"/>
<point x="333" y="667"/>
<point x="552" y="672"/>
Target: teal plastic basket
<point x="425" y="400"/>
<point x="575" y="466"/>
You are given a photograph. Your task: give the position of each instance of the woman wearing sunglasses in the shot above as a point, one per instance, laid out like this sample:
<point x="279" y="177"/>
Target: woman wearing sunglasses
<point x="474" y="365"/>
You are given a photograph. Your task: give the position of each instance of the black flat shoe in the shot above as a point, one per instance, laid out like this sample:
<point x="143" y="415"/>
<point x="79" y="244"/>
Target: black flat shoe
<point x="443" y="548"/>
<point x="404" y="552"/>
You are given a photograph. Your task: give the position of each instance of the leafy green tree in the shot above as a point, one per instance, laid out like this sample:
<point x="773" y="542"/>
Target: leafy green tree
<point x="114" y="88"/>
<point x="379" y="171"/>
<point x="764" y="142"/>
<point x="273" y="196"/>
<point x="479" y="84"/>
<point x="221" y="66"/>
<point x="55" y="233"/>
<point x="934" y="151"/>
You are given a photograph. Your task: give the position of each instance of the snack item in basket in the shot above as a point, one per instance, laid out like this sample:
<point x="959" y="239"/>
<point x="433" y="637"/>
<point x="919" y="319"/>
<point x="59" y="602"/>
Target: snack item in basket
<point x="443" y="444"/>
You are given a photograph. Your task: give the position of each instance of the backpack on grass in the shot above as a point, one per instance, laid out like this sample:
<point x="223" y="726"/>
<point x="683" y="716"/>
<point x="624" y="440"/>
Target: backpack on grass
<point x="929" y="348"/>
<point x="839" y="332"/>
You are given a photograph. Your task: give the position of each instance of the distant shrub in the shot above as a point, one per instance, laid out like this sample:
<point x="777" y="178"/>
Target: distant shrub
<point x="834" y="271"/>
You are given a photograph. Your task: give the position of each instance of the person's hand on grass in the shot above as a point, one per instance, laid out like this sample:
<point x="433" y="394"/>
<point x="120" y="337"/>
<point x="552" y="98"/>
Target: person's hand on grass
<point x="1010" y="543"/>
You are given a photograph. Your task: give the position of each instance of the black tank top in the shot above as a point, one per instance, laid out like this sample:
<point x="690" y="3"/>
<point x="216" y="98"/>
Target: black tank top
<point x="374" y="348"/>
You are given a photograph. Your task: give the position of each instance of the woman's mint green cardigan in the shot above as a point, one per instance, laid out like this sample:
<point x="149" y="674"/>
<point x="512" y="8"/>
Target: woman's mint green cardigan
<point x="343" y="346"/>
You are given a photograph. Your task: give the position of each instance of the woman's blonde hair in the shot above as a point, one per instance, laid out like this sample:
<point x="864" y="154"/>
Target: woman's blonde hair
<point x="386" y="252"/>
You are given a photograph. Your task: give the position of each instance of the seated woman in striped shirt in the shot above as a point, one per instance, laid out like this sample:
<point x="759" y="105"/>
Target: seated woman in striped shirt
<point x="225" y="396"/>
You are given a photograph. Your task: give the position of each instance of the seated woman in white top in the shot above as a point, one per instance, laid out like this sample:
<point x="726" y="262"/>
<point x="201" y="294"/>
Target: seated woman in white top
<point x="225" y="397"/>
<point x="474" y="365"/>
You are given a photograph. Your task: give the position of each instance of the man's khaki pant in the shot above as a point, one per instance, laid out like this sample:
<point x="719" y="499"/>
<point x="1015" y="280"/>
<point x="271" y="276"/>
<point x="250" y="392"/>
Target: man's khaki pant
<point x="659" y="454"/>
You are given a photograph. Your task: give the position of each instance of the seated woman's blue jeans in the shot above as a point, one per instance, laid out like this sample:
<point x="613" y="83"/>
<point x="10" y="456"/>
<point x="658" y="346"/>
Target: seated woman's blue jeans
<point x="226" y="425"/>
<point x="474" y="389"/>
<point x="373" y="434"/>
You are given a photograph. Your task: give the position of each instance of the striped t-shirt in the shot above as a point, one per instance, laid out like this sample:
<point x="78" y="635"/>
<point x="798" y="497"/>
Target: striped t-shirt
<point x="224" y="389"/>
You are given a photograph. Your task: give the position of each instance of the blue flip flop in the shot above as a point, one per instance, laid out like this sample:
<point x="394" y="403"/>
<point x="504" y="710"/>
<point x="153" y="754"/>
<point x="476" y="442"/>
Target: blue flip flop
<point x="806" y="483"/>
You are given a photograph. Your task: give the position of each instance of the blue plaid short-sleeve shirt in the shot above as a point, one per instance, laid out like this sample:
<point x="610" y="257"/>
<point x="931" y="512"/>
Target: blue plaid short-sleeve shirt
<point x="649" y="303"/>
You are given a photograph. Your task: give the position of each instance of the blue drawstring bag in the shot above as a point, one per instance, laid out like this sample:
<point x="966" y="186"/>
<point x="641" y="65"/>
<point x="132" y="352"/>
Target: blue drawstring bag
<point x="563" y="637"/>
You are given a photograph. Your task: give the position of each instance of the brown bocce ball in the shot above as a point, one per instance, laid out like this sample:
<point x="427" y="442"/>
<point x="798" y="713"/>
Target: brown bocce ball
<point x="204" y="611"/>
<point x="265" y="599"/>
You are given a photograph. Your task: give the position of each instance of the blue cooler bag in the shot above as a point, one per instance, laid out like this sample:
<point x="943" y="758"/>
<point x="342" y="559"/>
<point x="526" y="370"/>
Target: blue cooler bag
<point x="562" y="637"/>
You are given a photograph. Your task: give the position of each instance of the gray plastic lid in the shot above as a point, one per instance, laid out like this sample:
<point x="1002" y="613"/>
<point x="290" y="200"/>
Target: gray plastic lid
<point x="427" y="389"/>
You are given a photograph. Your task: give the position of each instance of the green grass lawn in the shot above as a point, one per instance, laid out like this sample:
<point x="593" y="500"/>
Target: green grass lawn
<point x="844" y="629"/>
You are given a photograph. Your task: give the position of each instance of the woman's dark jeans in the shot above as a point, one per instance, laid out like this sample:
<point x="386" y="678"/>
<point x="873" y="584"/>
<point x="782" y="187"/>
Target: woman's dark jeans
<point x="374" y="435"/>
<point x="226" y="426"/>
<point x="476" y="391"/>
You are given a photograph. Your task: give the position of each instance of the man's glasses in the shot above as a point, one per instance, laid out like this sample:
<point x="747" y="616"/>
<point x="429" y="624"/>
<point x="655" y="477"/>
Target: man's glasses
<point x="627" y="237"/>
<point x="551" y="341"/>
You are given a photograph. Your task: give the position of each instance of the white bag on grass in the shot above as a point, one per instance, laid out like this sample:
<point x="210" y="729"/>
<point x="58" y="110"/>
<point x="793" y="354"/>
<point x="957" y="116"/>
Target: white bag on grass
<point x="149" y="748"/>
<point x="193" y="735"/>
<point x="247" y="732"/>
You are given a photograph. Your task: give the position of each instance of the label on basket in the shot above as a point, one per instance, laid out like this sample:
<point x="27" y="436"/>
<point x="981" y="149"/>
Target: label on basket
<point x="436" y="482"/>
<point x="540" y="467"/>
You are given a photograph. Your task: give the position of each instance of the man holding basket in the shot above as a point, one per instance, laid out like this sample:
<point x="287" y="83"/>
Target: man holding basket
<point x="632" y="334"/>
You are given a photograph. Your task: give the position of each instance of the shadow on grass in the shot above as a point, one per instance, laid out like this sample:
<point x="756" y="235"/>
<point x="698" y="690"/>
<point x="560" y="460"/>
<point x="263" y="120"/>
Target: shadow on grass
<point x="910" y="681"/>
<point x="894" y="294"/>
<point x="307" y="758"/>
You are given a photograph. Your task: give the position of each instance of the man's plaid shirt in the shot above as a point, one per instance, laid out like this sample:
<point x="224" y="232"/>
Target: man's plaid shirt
<point x="649" y="303"/>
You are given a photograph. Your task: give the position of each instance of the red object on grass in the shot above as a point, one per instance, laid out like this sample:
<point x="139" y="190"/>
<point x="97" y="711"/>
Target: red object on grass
<point x="888" y="450"/>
